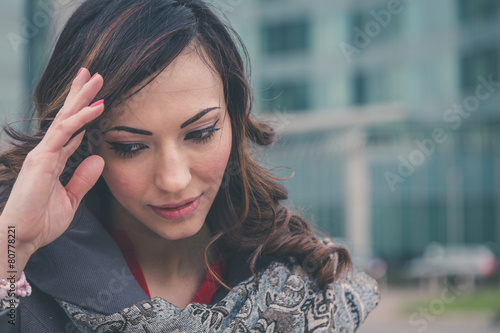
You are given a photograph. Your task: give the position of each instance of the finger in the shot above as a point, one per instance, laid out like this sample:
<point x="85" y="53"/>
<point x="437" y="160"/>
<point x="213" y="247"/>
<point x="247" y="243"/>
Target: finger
<point x="84" y="178"/>
<point x="84" y="96"/>
<point x="60" y="133"/>
<point x="70" y="147"/>
<point x="78" y="82"/>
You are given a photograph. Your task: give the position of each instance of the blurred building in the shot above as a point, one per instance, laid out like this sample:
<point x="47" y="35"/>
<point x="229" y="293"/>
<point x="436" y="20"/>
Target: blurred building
<point x="388" y="110"/>
<point x="28" y="29"/>
<point x="12" y="80"/>
<point x="429" y="69"/>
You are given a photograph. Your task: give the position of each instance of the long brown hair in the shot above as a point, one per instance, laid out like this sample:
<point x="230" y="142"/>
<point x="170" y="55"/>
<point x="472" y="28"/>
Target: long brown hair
<point x="129" y="42"/>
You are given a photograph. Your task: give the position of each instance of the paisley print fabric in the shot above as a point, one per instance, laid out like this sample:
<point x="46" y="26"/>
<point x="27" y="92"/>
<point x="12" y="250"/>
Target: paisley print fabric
<point x="284" y="298"/>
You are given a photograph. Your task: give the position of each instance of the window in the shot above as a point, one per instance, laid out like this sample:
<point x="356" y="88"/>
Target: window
<point x="480" y="63"/>
<point x="287" y="95"/>
<point x="359" y="91"/>
<point x="478" y="10"/>
<point x="376" y="86"/>
<point x="285" y="37"/>
<point x="378" y="24"/>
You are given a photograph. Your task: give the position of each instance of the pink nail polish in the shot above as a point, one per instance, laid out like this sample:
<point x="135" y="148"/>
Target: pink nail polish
<point x="93" y="76"/>
<point x="99" y="102"/>
<point x="81" y="69"/>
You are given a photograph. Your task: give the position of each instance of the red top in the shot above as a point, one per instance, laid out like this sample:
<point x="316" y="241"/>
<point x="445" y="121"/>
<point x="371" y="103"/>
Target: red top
<point x="207" y="289"/>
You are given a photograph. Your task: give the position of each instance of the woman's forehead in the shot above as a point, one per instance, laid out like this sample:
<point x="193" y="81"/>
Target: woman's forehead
<point x="188" y="80"/>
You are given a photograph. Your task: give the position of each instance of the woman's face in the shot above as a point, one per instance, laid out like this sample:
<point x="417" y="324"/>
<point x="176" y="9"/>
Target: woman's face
<point x="166" y="146"/>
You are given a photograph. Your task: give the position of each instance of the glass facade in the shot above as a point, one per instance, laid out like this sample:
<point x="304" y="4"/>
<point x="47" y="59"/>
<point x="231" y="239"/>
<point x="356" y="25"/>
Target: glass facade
<point x="478" y="11"/>
<point x="288" y="95"/>
<point x="285" y="37"/>
<point x="433" y="175"/>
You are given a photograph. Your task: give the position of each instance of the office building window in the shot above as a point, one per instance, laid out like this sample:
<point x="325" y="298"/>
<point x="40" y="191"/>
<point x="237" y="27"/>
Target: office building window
<point x="478" y="10"/>
<point x="480" y="63"/>
<point x="359" y="89"/>
<point x="379" y="24"/>
<point x="376" y="86"/>
<point x="285" y="96"/>
<point x="286" y="37"/>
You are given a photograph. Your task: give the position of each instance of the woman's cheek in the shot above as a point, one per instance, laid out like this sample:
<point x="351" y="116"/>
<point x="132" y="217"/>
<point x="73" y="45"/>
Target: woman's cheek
<point x="121" y="182"/>
<point x="220" y="166"/>
<point x="219" y="159"/>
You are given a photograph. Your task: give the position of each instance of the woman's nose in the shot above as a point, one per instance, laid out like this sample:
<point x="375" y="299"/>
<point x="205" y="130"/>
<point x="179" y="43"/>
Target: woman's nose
<point x="172" y="171"/>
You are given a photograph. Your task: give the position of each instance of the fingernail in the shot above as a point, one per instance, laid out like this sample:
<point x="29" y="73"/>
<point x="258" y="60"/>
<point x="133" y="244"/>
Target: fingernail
<point x="99" y="102"/>
<point x="93" y="76"/>
<point x="81" y="69"/>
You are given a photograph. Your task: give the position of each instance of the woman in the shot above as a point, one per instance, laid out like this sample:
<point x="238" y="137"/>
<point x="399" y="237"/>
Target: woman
<point x="137" y="205"/>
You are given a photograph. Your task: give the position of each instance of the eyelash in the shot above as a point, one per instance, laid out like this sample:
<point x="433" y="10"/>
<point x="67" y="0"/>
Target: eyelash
<point x="127" y="150"/>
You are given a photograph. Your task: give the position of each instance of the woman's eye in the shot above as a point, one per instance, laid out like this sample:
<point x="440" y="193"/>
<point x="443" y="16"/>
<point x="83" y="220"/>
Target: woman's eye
<point x="130" y="149"/>
<point x="126" y="149"/>
<point x="203" y="135"/>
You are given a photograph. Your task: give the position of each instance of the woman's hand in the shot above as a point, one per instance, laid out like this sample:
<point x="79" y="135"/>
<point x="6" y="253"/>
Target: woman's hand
<point x="39" y="206"/>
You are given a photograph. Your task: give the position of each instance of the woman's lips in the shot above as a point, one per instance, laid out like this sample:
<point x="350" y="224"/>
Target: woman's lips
<point x="177" y="204"/>
<point x="180" y="211"/>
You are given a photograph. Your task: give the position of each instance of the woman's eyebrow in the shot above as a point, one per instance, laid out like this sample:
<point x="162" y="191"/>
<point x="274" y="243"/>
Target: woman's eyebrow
<point x="128" y="129"/>
<point x="198" y="116"/>
<point x="143" y="132"/>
